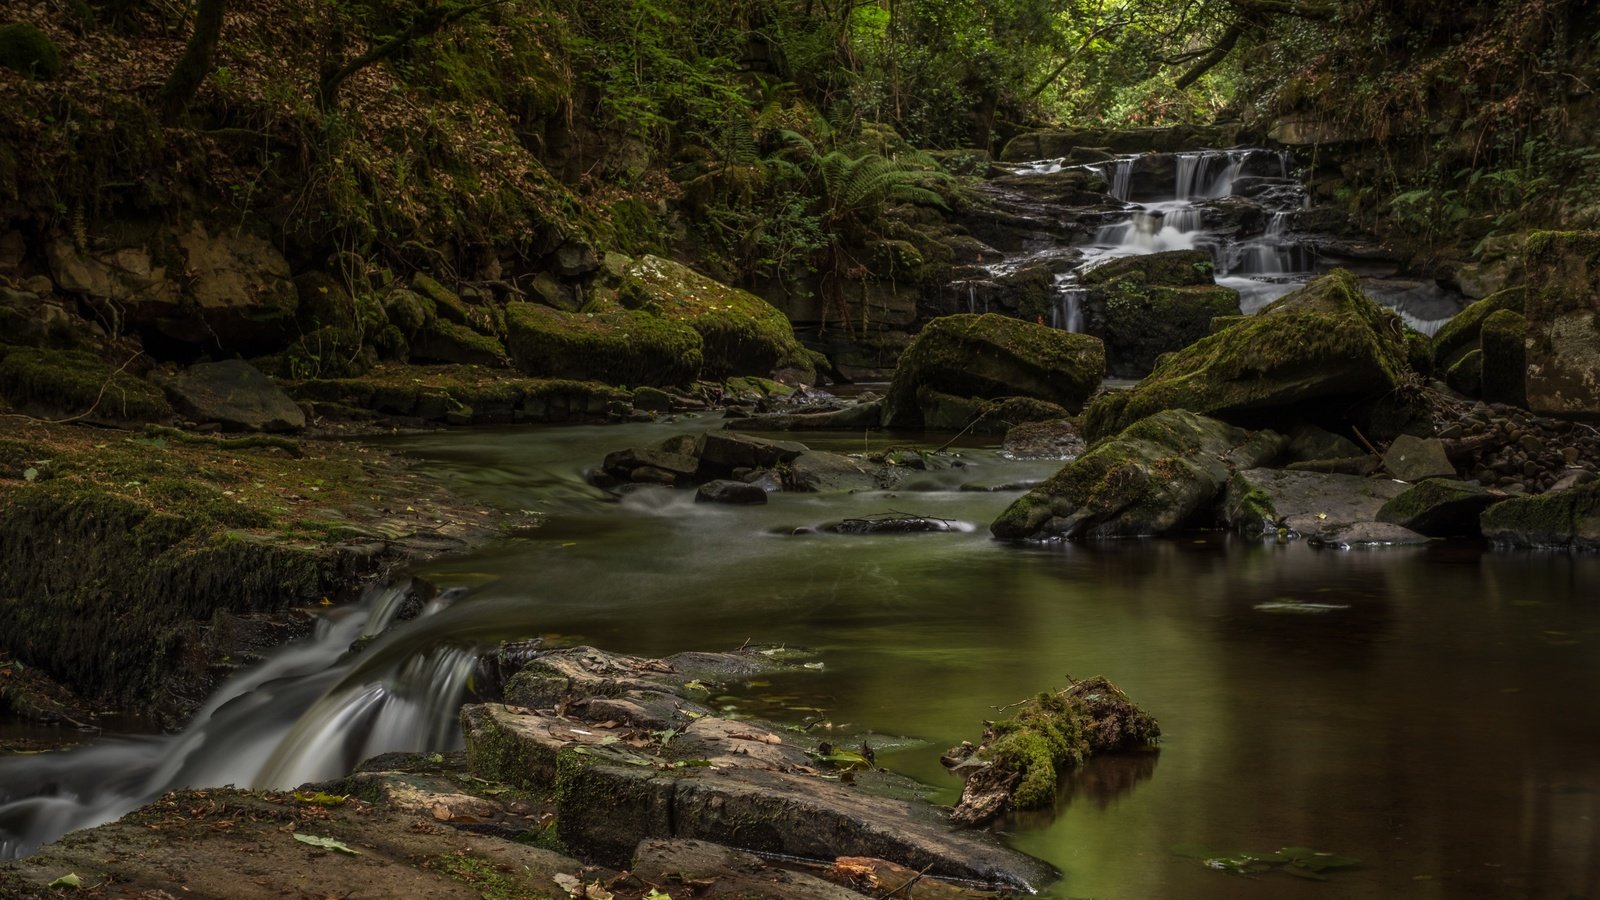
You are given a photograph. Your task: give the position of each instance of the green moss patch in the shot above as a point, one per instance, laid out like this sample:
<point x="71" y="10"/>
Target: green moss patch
<point x="27" y="49"/>
<point x="606" y="342"/>
<point x="463" y="394"/>
<point x="61" y="383"/>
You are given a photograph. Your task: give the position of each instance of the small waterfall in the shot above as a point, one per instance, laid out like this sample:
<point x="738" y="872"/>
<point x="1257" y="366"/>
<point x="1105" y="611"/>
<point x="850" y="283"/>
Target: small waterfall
<point x="1066" y="313"/>
<point x="972" y="298"/>
<point x="1148" y="231"/>
<point x="1119" y="172"/>
<point x="310" y="712"/>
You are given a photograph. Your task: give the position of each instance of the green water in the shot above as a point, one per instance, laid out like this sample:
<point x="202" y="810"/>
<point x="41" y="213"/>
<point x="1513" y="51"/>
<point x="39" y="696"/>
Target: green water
<point x="1433" y="715"/>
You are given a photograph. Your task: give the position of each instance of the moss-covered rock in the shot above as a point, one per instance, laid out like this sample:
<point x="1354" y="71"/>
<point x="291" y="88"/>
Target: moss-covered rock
<point x="740" y="333"/>
<point x="1324" y="352"/>
<point x="460" y="395"/>
<point x="1439" y="507"/>
<point x="991" y="357"/>
<point x="1459" y="336"/>
<point x="444" y="341"/>
<point x="1466" y="373"/>
<point x="25" y="48"/>
<point x="606" y="342"/>
<point x="1564" y="520"/>
<point x="947" y="412"/>
<point x="1144" y="306"/>
<point x="1318" y="506"/>
<point x="1563" y="323"/>
<point x="324" y="301"/>
<point x="59" y="383"/>
<point x="1153" y="478"/>
<point x="1503" y="345"/>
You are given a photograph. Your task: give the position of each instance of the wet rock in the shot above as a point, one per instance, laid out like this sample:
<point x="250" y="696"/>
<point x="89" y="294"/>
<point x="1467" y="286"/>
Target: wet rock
<point x="235" y="394"/>
<point x="1324" y="347"/>
<point x="1502" y="341"/>
<point x="1144" y="306"/>
<point x="1412" y="458"/>
<point x="1305" y="504"/>
<point x="991" y="357"/>
<point x="1308" y="442"/>
<point x="1563" y="316"/>
<point x="1465" y="375"/>
<point x="730" y="450"/>
<point x="1153" y="478"/>
<point x="732" y="492"/>
<point x="1439" y="507"/>
<point x="1052" y="439"/>
<point x="856" y="417"/>
<point x="1367" y="535"/>
<point x="947" y="412"/>
<point x="627" y="464"/>
<point x="1564" y="520"/>
<point x="444" y="341"/>
<point x="892" y="523"/>
<point x="818" y="471"/>
<point x="1363" y="465"/>
<point x="1165" y="139"/>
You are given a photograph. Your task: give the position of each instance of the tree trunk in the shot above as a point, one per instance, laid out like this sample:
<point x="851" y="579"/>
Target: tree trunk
<point x="195" y="64"/>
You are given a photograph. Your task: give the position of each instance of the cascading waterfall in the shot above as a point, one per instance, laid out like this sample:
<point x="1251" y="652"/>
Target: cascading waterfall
<point x="310" y="712"/>
<point x="1066" y="313"/>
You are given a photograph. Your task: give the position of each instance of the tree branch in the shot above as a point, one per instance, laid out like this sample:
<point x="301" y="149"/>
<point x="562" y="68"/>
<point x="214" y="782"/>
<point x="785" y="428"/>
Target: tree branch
<point x="1220" y="52"/>
<point x="425" y="23"/>
<point x="1067" y="60"/>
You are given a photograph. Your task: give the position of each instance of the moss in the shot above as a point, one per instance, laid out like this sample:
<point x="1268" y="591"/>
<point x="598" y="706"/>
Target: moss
<point x="27" y="49"/>
<point x="1459" y="335"/>
<point x="607" y="343"/>
<point x="323" y="302"/>
<point x="1140" y="322"/>
<point x="740" y="333"/>
<point x="449" y="306"/>
<point x="447" y="341"/>
<point x="1563" y="520"/>
<point x="1503" y="341"/>
<point x="76" y="382"/>
<point x="493" y="396"/>
<point x="328" y="352"/>
<point x="491" y="881"/>
<point x="1250" y="508"/>
<point x="1466" y="374"/>
<point x="1175" y="268"/>
<point x="1326" y="341"/>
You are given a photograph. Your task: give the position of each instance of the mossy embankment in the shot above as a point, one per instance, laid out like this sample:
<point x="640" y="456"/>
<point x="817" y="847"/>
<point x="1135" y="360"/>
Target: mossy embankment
<point x="137" y="568"/>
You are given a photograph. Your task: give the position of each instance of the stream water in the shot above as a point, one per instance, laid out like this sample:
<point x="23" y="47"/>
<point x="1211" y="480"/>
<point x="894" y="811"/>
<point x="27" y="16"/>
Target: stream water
<point x="1428" y="712"/>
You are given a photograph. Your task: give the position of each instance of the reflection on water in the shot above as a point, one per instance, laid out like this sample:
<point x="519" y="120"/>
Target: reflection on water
<point x="1431" y="715"/>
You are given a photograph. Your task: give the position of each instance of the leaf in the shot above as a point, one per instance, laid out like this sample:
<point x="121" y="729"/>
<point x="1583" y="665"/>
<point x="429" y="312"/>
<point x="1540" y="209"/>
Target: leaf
<point x="568" y="883"/>
<point x="69" y="880"/>
<point x="321" y="798"/>
<point x="326" y="843"/>
<point x="31" y="474"/>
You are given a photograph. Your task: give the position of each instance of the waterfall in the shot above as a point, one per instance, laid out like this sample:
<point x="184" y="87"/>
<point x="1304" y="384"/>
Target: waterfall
<point x="1066" y="313"/>
<point x="311" y="711"/>
<point x="1119" y="172"/>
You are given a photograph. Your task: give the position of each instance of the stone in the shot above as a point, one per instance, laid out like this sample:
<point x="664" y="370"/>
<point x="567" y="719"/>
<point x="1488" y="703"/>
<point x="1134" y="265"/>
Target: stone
<point x="1054" y="439"/>
<point x="1411" y="458"/>
<point x="1465" y="375"/>
<point x="240" y="286"/>
<point x="606" y="343"/>
<point x="1144" y="306"/>
<point x="1460" y="335"/>
<point x="124" y="279"/>
<point x="444" y="341"/>
<point x="1367" y="535"/>
<point x="818" y="471"/>
<point x="1312" y="505"/>
<point x="950" y="413"/>
<point x="732" y="492"/>
<point x="1151" y="479"/>
<point x="1309" y="442"/>
<point x="1439" y="507"/>
<point x="572" y="259"/>
<point x="892" y="523"/>
<point x="1503" y="342"/>
<point x="730" y="450"/>
<point x="1326" y="348"/>
<point x="652" y="399"/>
<point x="989" y="357"/>
<point x="1561" y="520"/>
<point x="1563" y="323"/>
<point x="624" y="462"/>
<point x="550" y="291"/>
<point x="235" y="394"/>
<point x="856" y="417"/>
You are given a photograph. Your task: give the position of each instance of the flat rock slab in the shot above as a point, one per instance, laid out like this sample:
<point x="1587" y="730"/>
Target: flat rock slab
<point x="818" y="471"/>
<point x="1368" y="535"/>
<point x="236" y="395"/>
<point x="1314" y="505"/>
<point x="702" y="869"/>
<point x="1415" y="459"/>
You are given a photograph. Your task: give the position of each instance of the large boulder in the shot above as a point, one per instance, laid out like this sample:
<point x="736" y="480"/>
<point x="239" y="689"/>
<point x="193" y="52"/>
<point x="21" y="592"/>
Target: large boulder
<point x="1561" y="520"/>
<point x="1155" y="477"/>
<point x="1459" y="336"/>
<point x="1563" y="312"/>
<point x="1503" y="373"/>
<point x="990" y="357"/>
<point x="1325" y="351"/>
<point x="1144" y="306"/>
<point x="1440" y="507"/>
<point x="740" y="333"/>
<point x="234" y="394"/>
<point x="240" y="288"/>
<point x="607" y="343"/>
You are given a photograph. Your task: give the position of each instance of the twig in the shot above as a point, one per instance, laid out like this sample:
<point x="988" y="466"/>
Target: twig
<point x="1368" y="444"/>
<point x="97" y="397"/>
<point x="908" y="885"/>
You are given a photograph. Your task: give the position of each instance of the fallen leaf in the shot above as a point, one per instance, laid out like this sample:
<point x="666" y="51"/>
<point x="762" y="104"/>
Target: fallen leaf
<point x="326" y="843"/>
<point x="69" y="880"/>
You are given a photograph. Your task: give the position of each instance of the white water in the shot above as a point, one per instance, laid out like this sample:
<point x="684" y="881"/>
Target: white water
<point x="307" y="713"/>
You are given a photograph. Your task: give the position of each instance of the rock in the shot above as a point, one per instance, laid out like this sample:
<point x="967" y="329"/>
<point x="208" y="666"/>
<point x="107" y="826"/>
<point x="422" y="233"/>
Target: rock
<point x="988" y="357"/>
<point x="734" y="451"/>
<point x="704" y="869"/>
<point x="608" y="343"/>
<point x="1459" y="336"/>
<point x="741" y="334"/>
<point x="1326" y="347"/>
<point x="947" y="412"/>
<point x="444" y="341"/>
<point x="1144" y="306"/>
<point x="1304" y="504"/>
<point x="1367" y="535"/>
<point x="241" y="289"/>
<point x="1465" y="375"/>
<point x="1412" y="458"/>
<point x="734" y="492"/>
<point x="553" y="293"/>
<point x="236" y="394"/>
<point x="892" y="523"/>
<point x="1499" y="266"/>
<point x="623" y="463"/>
<point x="1563" y="319"/>
<point x="572" y="259"/>
<point x="1564" y="520"/>
<point x="124" y="280"/>
<point x="1503" y="340"/>
<point x="818" y="471"/>
<point x="1308" y="443"/>
<point x="1439" y="507"/>
<point x="1570" y="479"/>
<point x="1363" y="465"/>
<point x="1166" y="139"/>
<point x="856" y="417"/>
<point x="408" y="310"/>
<point x="1153" y="478"/>
<point x="1053" y="439"/>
